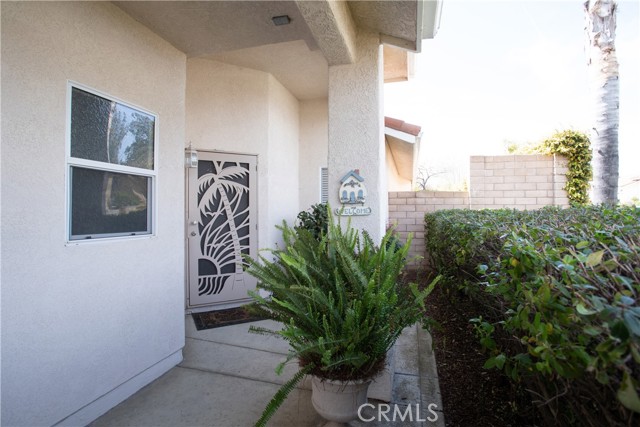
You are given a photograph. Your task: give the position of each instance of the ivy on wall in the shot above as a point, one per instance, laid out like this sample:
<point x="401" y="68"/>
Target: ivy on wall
<point x="576" y="147"/>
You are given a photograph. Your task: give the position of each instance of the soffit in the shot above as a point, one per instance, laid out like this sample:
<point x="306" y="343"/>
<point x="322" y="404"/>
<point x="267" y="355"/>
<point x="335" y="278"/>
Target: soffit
<point x="208" y="27"/>
<point x="403" y="140"/>
<point x="303" y="72"/>
<point x="393" y="18"/>
<point x="242" y="33"/>
<point x="403" y="155"/>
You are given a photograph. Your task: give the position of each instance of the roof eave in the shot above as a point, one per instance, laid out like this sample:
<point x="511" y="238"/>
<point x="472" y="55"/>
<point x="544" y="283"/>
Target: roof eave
<point x="429" y="13"/>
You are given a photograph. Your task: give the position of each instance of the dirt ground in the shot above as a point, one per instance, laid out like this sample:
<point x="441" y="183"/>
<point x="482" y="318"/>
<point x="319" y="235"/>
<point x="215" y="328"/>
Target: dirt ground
<point x="472" y="396"/>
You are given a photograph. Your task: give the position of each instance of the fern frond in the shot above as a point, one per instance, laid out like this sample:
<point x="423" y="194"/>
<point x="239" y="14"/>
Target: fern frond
<point x="281" y="396"/>
<point x="338" y="297"/>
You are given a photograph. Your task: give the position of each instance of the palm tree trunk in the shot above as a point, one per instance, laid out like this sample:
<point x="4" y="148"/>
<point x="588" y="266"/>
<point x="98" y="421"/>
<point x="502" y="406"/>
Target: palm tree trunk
<point x="600" y="32"/>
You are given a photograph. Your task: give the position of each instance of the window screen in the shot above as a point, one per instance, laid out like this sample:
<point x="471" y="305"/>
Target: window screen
<point x="111" y="167"/>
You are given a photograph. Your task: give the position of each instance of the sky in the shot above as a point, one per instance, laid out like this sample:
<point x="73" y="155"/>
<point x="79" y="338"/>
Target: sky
<point x="515" y="71"/>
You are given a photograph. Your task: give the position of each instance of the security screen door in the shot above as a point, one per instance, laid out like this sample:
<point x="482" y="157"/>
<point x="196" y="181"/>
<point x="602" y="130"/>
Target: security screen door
<point x="222" y="226"/>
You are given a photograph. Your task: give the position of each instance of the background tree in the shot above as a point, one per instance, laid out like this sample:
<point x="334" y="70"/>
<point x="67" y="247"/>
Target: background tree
<point x="140" y="152"/>
<point x="600" y="33"/>
<point x="424" y="174"/>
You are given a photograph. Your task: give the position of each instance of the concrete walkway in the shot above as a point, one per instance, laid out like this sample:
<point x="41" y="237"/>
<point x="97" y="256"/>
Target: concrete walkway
<point x="227" y="377"/>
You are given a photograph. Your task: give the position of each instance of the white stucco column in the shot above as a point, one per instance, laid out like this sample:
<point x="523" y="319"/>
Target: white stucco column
<point x="356" y="130"/>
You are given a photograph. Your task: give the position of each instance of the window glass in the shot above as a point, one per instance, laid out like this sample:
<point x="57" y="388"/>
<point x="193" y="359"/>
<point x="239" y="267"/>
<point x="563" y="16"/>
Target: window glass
<point x="108" y="203"/>
<point x="110" y="132"/>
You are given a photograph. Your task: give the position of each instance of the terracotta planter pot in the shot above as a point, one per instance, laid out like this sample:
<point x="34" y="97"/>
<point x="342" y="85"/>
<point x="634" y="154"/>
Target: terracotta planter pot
<point x="338" y="401"/>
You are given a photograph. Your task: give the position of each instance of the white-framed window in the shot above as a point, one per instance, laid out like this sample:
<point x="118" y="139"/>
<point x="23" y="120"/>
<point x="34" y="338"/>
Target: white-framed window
<point x="111" y="166"/>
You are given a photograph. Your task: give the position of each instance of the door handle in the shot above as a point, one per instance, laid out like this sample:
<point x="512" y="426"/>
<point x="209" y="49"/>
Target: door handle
<point x="193" y="233"/>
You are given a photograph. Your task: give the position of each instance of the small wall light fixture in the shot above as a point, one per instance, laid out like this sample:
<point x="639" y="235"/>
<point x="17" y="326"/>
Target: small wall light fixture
<point x="190" y="158"/>
<point x="281" y="20"/>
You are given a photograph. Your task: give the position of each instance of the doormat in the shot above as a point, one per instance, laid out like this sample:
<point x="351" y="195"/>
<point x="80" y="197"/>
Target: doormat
<point x="226" y="317"/>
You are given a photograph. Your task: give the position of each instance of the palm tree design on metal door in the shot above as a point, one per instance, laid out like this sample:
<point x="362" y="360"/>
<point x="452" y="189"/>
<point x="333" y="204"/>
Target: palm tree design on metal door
<point x="223" y="203"/>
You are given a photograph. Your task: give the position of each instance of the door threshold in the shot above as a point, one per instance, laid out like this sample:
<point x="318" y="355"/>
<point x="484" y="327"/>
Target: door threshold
<point x="216" y="307"/>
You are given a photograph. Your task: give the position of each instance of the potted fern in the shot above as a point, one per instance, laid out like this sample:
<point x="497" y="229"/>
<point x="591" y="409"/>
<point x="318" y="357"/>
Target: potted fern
<point x="341" y="306"/>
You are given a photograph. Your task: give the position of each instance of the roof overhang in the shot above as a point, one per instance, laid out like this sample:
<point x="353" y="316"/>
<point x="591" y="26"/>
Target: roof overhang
<point x="323" y="32"/>
<point x="398" y="64"/>
<point x="400" y="23"/>
<point x="403" y="140"/>
<point x="430" y="18"/>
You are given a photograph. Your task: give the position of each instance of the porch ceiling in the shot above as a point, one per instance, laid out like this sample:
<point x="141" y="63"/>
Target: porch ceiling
<point x="210" y="27"/>
<point x="305" y="73"/>
<point x="392" y="19"/>
<point x="242" y="33"/>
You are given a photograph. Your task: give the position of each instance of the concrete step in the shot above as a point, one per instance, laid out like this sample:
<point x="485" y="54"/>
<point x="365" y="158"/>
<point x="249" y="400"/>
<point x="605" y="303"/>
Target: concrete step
<point x="238" y="335"/>
<point x="236" y="361"/>
<point x="187" y="398"/>
<point x="231" y="350"/>
<point x="225" y="383"/>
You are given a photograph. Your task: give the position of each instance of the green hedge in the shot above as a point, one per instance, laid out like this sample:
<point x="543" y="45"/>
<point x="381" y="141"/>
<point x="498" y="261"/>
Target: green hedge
<point x="558" y="301"/>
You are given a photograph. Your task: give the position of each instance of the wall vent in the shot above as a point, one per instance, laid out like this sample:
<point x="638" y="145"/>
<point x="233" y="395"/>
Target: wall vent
<point x="324" y="185"/>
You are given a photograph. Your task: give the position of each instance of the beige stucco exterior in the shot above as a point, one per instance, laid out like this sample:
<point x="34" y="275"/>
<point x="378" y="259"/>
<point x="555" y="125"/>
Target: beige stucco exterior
<point x="239" y="110"/>
<point x="86" y="324"/>
<point x="313" y="155"/>
<point x="79" y="320"/>
<point x="356" y="129"/>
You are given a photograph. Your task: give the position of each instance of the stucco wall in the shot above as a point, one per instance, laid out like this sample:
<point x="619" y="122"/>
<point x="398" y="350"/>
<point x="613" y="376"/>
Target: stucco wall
<point x="80" y="320"/>
<point x="239" y="110"/>
<point x="282" y="163"/>
<point x="356" y="130"/>
<point x="314" y="129"/>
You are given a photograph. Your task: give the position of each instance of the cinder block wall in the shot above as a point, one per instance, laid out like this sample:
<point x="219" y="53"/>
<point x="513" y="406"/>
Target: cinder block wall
<point x="514" y="181"/>
<point x="517" y="181"/>
<point x="407" y="209"/>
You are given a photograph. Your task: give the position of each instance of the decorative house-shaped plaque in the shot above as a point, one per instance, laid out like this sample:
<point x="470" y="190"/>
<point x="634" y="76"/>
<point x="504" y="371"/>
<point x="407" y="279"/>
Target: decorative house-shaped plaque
<point x="353" y="195"/>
